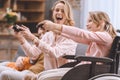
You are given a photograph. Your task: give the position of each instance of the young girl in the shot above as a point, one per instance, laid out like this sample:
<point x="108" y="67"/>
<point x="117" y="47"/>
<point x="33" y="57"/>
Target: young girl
<point x="99" y="37"/>
<point x="53" y="45"/>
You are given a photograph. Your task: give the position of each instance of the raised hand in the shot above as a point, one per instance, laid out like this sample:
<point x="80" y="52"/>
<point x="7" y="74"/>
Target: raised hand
<point x="49" y="25"/>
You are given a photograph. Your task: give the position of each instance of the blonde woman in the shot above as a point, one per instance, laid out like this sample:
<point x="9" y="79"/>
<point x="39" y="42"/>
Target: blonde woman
<point x="99" y="38"/>
<point x="53" y="45"/>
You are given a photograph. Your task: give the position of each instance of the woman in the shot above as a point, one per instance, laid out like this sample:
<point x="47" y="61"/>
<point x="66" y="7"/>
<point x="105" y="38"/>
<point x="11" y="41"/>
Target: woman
<point x="53" y="45"/>
<point x="22" y="66"/>
<point x="99" y="38"/>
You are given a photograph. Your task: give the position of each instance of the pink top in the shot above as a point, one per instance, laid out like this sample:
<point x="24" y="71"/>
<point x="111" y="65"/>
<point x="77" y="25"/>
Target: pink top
<point x="53" y="48"/>
<point x="99" y="43"/>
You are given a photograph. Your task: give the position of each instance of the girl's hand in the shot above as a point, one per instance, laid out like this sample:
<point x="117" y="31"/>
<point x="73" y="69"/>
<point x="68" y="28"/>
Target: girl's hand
<point x="49" y="25"/>
<point x="19" y="35"/>
<point x="26" y="32"/>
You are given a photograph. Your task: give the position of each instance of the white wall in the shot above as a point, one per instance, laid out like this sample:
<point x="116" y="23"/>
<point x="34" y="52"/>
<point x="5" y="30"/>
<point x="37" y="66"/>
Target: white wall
<point x="112" y="7"/>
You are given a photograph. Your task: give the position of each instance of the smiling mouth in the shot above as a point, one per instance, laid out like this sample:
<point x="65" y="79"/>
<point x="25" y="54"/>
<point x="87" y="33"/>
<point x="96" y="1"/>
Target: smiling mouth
<point x="59" y="18"/>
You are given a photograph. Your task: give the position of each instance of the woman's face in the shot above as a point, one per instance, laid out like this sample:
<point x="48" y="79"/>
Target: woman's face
<point x="91" y="26"/>
<point x="58" y="14"/>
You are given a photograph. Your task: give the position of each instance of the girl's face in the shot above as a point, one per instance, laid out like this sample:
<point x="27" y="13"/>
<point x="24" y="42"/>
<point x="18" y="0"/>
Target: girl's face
<point x="58" y="14"/>
<point x="91" y="26"/>
<point x="40" y="32"/>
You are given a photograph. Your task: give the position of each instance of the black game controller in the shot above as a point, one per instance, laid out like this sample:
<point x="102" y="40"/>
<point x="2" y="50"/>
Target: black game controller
<point x="16" y="28"/>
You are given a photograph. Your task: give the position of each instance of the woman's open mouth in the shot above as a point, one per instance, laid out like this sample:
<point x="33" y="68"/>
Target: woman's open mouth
<point x="58" y="18"/>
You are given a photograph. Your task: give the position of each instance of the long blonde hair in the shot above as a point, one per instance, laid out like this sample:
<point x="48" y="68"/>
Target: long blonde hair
<point x="98" y="16"/>
<point x="68" y="12"/>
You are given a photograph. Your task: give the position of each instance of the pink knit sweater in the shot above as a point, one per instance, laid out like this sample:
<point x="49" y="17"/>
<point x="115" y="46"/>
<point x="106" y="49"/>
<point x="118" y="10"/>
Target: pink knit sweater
<point x="99" y="43"/>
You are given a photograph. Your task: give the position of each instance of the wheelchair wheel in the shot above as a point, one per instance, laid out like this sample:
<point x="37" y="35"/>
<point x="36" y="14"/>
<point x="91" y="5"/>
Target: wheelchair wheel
<point x="106" y="76"/>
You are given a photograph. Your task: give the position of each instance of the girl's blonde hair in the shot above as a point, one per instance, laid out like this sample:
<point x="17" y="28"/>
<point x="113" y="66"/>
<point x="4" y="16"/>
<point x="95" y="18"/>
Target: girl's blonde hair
<point x="98" y="16"/>
<point x="67" y="11"/>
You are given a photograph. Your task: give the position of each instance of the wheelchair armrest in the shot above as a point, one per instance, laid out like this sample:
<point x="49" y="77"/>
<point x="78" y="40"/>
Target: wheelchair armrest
<point x="69" y="57"/>
<point x="94" y="59"/>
